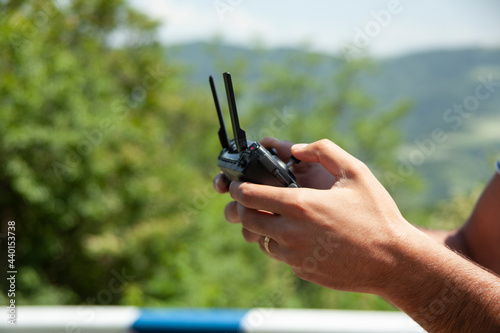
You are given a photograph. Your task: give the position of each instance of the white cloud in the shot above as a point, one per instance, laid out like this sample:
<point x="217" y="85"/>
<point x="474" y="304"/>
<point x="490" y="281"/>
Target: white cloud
<point x="166" y="10"/>
<point x="326" y="24"/>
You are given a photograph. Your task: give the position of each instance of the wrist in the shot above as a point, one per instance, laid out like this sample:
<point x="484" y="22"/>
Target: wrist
<point x="405" y="245"/>
<point x="406" y="252"/>
<point x="441" y="290"/>
<point x="414" y="264"/>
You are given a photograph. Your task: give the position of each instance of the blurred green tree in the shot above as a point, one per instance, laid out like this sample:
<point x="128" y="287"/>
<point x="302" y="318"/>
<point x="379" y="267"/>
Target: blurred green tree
<point x="84" y="142"/>
<point x="107" y="157"/>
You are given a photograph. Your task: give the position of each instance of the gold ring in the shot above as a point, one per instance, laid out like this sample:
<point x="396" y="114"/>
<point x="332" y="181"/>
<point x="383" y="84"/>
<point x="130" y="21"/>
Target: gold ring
<point x="266" y="244"/>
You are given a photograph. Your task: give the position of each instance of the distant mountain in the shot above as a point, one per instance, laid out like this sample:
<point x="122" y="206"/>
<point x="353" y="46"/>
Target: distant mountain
<point x="203" y="59"/>
<point x="436" y="81"/>
<point x="456" y="91"/>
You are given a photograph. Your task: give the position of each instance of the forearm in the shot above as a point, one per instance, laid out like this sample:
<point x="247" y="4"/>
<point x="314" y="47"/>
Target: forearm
<point x="442" y="291"/>
<point x="481" y="233"/>
<point x="452" y="239"/>
<point x="479" y="238"/>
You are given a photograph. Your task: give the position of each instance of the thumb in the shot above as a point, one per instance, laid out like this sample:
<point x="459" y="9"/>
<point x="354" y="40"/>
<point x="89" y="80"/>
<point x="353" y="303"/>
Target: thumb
<point x="333" y="158"/>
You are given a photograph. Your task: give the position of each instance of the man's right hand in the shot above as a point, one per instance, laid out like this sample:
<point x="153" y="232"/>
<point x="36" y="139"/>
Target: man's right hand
<point x="312" y="175"/>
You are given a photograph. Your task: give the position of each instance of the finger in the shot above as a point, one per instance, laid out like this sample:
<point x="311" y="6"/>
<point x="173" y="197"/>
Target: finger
<point x="221" y="183"/>
<point x="272" y="249"/>
<point x="249" y="236"/>
<point x="262" y="197"/>
<point x="283" y="147"/>
<point x="301" y="273"/>
<point x="336" y="160"/>
<point x="231" y="212"/>
<point x="261" y="222"/>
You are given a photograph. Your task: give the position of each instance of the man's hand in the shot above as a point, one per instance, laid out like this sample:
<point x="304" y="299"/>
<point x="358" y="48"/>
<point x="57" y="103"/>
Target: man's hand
<point x="341" y="237"/>
<point x="350" y="235"/>
<point x="312" y="175"/>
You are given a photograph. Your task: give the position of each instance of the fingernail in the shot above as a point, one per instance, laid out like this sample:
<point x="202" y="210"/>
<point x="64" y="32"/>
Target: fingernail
<point x="299" y="146"/>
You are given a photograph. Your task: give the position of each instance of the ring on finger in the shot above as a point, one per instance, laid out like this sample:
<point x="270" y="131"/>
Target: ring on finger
<point x="266" y="244"/>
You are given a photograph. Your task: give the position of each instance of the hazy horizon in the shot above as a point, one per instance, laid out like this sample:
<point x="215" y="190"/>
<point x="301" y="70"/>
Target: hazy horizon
<point x="383" y="28"/>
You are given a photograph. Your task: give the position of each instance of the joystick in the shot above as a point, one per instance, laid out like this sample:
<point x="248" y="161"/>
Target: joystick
<point x="245" y="160"/>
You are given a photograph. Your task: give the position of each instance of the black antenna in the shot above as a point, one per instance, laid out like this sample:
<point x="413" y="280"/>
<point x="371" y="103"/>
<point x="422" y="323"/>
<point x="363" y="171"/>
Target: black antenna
<point x="239" y="135"/>
<point x="224" y="141"/>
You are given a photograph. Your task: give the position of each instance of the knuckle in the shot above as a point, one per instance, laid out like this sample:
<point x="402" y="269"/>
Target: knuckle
<point x="247" y="217"/>
<point x="220" y="183"/>
<point x="324" y="144"/>
<point x="242" y="214"/>
<point x="245" y="193"/>
<point x="269" y="142"/>
<point x="292" y="238"/>
<point x="292" y="259"/>
<point x="358" y="168"/>
<point x="230" y="212"/>
<point x="249" y="236"/>
<point x="300" y="202"/>
<point x="288" y="237"/>
<point x="300" y="273"/>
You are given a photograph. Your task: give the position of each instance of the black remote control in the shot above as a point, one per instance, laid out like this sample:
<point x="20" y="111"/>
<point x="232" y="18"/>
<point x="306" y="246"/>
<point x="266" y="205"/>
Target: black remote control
<point x="245" y="160"/>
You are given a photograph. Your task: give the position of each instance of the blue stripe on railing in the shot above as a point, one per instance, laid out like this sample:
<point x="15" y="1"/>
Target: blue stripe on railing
<point x="114" y="319"/>
<point x="189" y="320"/>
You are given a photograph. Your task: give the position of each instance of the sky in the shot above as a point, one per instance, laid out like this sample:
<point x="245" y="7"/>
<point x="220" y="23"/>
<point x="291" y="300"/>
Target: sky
<point x="383" y="28"/>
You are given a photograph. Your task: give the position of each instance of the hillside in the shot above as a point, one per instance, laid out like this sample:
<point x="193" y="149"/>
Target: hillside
<point x="437" y="82"/>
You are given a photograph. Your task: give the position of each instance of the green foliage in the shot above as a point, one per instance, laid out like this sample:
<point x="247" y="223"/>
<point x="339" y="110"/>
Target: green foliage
<point x="82" y="147"/>
<point x="107" y="157"/>
<point x="452" y="213"/>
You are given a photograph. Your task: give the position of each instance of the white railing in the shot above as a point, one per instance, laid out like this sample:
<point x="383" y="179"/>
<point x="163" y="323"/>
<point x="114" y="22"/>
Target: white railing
<point x="108" y="319"/>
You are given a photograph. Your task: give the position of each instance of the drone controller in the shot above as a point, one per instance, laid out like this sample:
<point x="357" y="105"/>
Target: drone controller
<point x="245" y="160"/>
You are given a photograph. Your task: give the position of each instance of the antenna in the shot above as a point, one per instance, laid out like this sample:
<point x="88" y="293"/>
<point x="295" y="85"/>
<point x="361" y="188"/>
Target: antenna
<point x="239" y="135"/>
<point x="224" y="141"/>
